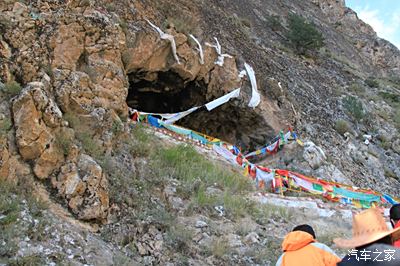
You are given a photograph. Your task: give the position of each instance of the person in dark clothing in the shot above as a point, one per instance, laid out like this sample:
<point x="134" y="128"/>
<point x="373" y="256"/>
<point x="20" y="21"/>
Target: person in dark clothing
<point x="395" y="220"/>
<point x="371" y="243"/>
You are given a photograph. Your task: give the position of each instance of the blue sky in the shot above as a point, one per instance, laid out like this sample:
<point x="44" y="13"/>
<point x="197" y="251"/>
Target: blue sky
<point x="382" y="15"/>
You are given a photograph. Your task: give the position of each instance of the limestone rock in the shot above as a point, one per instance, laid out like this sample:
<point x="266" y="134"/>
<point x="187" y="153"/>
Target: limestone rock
<point x="35" y="117"/>
<point x="251" y="238"/>
<point x="201" y="224"/>
<point x="233" y="240"/>
<point x="313" y="154"/>
<point x="68" y="46"/>
<point x="85" y="187"/>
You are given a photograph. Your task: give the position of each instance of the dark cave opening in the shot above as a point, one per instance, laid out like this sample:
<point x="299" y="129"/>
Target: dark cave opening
<point x="167" y="92"/>
<point x="164" y="92"/>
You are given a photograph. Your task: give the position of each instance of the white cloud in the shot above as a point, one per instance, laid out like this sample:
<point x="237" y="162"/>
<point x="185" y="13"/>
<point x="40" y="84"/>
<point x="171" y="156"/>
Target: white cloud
<point x="387" y="27"/>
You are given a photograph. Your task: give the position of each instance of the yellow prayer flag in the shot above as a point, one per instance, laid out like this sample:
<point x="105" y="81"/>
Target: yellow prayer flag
<point x="357" y="204"/>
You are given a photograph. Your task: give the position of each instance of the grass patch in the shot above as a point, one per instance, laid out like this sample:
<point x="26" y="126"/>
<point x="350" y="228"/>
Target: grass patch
<point x="184" y="163"/>
<point x="90" y="145"/>
<point x="11" y="88"/>
<point x="391" y="98"/>
<point x="5" y="126"/>
<point x="179" y="238"/>
<point x="372" y="82"/>
<point x="274" y="23"/>
<point x="396" y="118"/>
<point x="9" y="204"/>
<point x="357" y="88"/>
<point x="264" y="212"/>
<point x="196" y="174"/>
<point x="354" y="107"/>
<point x="139" y="145"/>
<point x="28" y="261"/>
<point x="73" y="120"/>
<point x="183" y="23"/>
<point x="342" y="126"/>
<point x="219" y="248"/>
<point x="65" y="141"/>
<point x="327" y="238"/>
<point x="385" y="143"/>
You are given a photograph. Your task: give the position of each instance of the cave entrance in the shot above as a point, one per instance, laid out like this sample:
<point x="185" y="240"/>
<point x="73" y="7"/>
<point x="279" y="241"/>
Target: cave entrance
<point x="167" y="92"/>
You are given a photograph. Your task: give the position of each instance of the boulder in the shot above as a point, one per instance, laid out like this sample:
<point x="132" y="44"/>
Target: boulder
<point x="85" y="187"/>
<point x="36" y="116"/>
<point x="313" y="154"/>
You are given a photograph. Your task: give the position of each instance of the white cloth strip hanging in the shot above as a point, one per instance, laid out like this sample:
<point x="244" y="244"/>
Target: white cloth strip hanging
<point x="169" y="37"/>
<point x="199" y="49"/>
<point x="180" y="115"/>
<point x="221" y="100"/>
<point x="255" y="96"/>
<point x="218" y="49"/>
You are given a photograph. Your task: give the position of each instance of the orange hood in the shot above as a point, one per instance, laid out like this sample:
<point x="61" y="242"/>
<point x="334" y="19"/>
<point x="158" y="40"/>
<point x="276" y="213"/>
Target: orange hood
<point x="296" y="240"/>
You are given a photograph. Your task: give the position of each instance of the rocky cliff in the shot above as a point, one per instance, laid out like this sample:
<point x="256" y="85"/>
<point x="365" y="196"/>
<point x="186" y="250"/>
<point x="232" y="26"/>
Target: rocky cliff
<point x="70" y="69"/>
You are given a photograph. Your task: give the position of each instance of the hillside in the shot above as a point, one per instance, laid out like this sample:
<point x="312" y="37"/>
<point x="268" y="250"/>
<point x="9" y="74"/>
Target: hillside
<point x="81" y="182"/>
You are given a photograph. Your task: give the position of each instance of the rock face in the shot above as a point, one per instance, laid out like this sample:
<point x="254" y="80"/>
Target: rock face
<point x="36" y="118"/>
<point x="87" y="64"/>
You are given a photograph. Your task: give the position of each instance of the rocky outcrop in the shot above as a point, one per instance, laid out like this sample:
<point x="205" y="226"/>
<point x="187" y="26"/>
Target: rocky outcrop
<point x="151" y="55"/>
<point x="37" y="118"/>
<point x="382" y="53"/>
<point x="87" y="64"/>
<point x="40" y="133"/>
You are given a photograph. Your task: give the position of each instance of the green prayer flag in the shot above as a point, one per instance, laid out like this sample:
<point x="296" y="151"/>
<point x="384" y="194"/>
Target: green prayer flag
<point x="318" y="187"/>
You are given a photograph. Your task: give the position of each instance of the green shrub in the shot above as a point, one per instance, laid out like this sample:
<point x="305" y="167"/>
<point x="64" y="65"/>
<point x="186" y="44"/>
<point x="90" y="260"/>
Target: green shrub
<point x="5" y="126"/>
<point x="117" y="127"/>
<point x="64" y="141"/>
<point x="179" y="238"/>
<point x="72" y="120"/>
<point x="124" y="26"/>
<point x="354" y="107"/>
<point x="390" y="98"/>
<point x="372" y="82"/>
<point x="274" y="23"/>
<point x="396" y="118"/>
<point x="219" y="248"/>
<point x="110" y="7"/>
<point x="303" y="35"/>
<point x="90" y="145"/>
<point x="12" y="88"/>
<point x="341" y="126"/>
<point x="385" y="144"/>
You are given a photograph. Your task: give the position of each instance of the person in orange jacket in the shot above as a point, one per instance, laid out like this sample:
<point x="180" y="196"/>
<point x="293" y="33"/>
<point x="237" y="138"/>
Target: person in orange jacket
<point x="301" y="248"/>
<point x="395" y="220"/>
